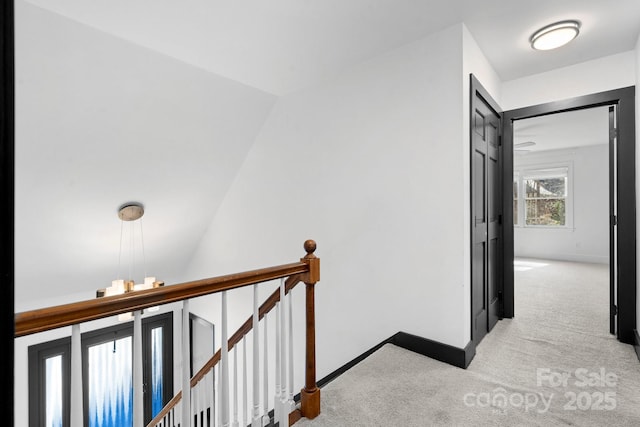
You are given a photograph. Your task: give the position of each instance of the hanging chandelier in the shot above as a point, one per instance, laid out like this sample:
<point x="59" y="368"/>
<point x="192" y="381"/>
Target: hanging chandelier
<point x="130" y="212"/>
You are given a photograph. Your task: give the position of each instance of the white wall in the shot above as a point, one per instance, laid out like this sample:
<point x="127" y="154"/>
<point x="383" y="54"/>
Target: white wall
<point x="588" y="239"/>
<point x="602" y="74"/>
<point x="373" y="165"/>
<point x="99" y="122"/>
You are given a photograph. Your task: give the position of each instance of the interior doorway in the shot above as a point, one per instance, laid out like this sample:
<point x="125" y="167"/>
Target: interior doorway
<point x="622" y="198"/>
<point x="564" y="196"/>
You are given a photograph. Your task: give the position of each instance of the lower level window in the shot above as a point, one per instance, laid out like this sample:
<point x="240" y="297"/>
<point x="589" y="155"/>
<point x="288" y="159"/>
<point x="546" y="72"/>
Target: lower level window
<point x="107" y="372"/>
<point x="110" y="383"/>
<point x="49" y="382"/>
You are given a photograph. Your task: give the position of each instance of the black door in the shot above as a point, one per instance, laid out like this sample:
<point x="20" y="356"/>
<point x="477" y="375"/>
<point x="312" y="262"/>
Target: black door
<point x="486" y="212"/>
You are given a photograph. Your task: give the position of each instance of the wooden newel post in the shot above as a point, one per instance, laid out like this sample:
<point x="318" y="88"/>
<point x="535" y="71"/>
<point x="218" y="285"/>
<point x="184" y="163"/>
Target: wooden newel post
<point x="310" y="394"/>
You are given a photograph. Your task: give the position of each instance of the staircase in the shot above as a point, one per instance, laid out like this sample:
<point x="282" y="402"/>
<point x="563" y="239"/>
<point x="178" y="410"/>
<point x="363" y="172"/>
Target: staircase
<point x="232" y="388"/>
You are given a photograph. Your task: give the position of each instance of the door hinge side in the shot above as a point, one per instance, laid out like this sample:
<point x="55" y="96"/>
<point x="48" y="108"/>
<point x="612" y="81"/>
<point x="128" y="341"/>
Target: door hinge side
<point x="614" y="219"/>
<point x="614" y="308"/>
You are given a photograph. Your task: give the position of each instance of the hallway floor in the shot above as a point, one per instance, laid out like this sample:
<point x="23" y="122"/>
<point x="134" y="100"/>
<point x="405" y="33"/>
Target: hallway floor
<point x="553" y="364"/>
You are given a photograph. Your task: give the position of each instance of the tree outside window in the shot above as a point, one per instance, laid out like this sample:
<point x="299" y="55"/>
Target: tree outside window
<point x="541" y="197"/>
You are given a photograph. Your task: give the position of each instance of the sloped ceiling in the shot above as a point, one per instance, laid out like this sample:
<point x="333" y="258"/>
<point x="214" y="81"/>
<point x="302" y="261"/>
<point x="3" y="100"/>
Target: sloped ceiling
<point x="101" y="122"/>
<point x="160" y="102"/>
<point x="283" y="45"/>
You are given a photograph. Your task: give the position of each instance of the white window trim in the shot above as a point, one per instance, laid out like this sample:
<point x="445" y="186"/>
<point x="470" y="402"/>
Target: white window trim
<point x="537" y="170"/>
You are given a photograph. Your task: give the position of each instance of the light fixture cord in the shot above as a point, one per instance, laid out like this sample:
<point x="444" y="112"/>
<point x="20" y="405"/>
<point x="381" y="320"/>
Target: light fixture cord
<point x="120" y="253"/>
<point x="131" y="247"/>
<point x="144" y="258"/>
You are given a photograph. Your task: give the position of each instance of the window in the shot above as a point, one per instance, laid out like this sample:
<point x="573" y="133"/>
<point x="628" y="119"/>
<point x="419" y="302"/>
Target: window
<point x="49" y="383"/>
<point x="157" y="372"/>
<point x="107" y="375"/>
<point x="542" y="197"/>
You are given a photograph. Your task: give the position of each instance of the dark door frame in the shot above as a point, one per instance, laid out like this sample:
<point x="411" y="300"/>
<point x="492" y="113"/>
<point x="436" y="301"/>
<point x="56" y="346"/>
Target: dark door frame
<point x="624" y="99"/>
<point x="7" y="180"/>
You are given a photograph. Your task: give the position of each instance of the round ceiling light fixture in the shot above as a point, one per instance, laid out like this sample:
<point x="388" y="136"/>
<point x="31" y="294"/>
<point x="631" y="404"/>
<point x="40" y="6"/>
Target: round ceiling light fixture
<point x="555" y="35"/>
<point x="131" y="211"/>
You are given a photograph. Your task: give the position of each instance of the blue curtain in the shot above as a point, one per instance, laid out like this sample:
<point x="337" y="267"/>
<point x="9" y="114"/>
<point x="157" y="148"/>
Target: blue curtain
<point x="111" y="384"/>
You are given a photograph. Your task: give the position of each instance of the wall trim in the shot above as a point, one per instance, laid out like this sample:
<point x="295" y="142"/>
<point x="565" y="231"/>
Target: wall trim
<point x="589" y="259"/>
<point x="458" y="357"/>
<point x="341" y="370"/>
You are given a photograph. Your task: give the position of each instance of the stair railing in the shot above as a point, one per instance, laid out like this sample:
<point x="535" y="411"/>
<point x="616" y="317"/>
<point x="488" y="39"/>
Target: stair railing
<point x="202" y="401"/>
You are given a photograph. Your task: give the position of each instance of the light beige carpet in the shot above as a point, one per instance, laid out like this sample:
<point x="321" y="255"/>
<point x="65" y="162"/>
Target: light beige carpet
<point x="554" y="364"/>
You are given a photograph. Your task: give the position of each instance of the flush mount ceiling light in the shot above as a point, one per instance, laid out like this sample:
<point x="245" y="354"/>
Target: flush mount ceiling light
<point x="555" y="35"/>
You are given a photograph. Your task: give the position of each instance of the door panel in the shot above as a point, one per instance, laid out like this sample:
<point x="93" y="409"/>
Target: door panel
<point x="486" y="213"/>
<point x="494" y="263"/>
<point x="479" y="296"/>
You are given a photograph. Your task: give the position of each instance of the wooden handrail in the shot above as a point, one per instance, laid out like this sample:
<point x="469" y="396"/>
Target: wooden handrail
<point x="40" y="320"/>
<point x="246" y="327"/>
<point x="307" y="271"/>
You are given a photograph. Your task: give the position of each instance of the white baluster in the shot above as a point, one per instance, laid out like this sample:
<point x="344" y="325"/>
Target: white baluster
<point x="207" y="385"/>
<point x="218" y="410"/>
<point x="76" y="377"/>
<point x="245" y="404"/>
<point x="177" y="413"/>
<point x="291" y="404"/>
<point x="224" y="366"/>
<point x="196" y="398"/>
<point x="203" y="392"/>
<point x="278" y="392"/>
<point x="284" y="415"/>
<point x="256" y="420"/>
<point x="186" y="375"/>
<point x="194" y="404"/>
<point x="235" y="422"/>
<point x="138" y="410"/>
<point x="265" y="418"/>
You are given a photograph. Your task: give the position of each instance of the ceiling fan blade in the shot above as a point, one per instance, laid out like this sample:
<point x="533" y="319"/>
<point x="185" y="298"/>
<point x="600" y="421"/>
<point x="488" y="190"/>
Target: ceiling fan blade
<point x="524" y="144"/>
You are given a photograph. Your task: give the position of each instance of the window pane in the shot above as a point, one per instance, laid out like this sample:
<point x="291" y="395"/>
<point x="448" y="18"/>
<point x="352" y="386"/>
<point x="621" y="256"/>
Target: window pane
<point x="53" y="367"/>
<point x="111" y="384"/>
<point x="156" y="371"/>
<point x="545" y="212"/>
<point x="547" y="187"/>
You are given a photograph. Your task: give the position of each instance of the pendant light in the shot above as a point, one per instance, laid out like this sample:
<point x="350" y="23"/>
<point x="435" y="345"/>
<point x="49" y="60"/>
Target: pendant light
<point x="130" y="212"/>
